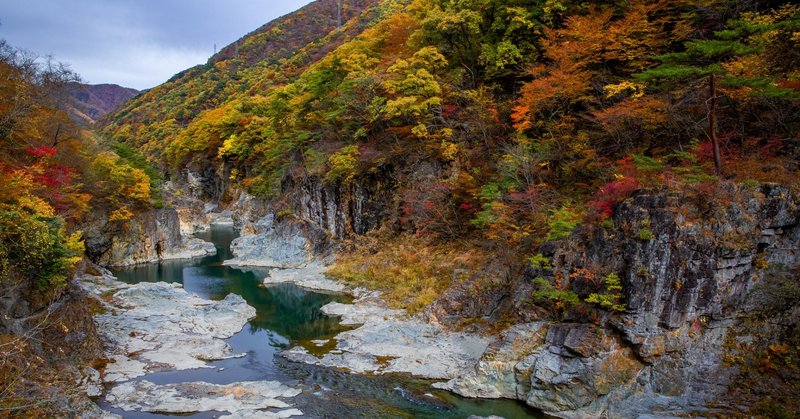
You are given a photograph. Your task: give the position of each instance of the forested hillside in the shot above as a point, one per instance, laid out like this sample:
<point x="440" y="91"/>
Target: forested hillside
<point x="528" y="109"/>
<point x="504" y="122"/>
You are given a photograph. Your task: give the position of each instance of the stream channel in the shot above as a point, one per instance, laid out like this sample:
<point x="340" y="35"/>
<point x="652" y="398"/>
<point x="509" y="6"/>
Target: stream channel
<point x="286" y="316"/>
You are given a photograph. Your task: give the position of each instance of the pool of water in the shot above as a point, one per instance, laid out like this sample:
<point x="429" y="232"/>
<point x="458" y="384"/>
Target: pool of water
<point x="286" y="316"/>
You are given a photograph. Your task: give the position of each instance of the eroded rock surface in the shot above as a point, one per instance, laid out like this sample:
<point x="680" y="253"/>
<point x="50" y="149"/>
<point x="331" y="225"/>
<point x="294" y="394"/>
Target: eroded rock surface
<point x="159" y="326"/>
<point x="390" y="341"/>
<point x="689" y="271"/>
<point x="150" y="236"/>
<point x="242" y="399"/>
<point x="276" y="245"/>
<point x="311" y="277"/>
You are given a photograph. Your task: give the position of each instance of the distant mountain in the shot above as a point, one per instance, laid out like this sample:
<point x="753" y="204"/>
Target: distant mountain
<point x="89" y="102"/>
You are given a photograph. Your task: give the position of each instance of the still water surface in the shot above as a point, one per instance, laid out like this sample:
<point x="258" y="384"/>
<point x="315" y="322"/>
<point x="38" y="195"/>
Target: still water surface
<point x="286" y="316"/>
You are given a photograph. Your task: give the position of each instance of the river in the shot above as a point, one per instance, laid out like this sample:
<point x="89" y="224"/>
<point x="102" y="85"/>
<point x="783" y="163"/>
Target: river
<point x="286" y="316"/>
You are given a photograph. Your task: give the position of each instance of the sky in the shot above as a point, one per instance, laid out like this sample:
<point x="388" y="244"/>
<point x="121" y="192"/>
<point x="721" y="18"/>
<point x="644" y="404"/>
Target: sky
<point x="133" y="43"/>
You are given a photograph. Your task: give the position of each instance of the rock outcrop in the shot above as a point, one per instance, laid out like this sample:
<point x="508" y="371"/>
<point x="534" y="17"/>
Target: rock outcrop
<point x="389" y="341"/>
<point x="342" y="210"/>
<point x="149" y="236"/>
<point x="689" y="270"/>
<point x="283" y="244"/>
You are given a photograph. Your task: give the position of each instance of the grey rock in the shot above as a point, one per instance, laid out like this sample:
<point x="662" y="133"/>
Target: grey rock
<point x="194" y="397"/>
<point x="149" y="236"/>
<point x="278" y="246"/>
<point x="687" y="290"/>
<point x="158" y="326"/>
<point x="390" y="342"/>
<point x="310" y="277"/>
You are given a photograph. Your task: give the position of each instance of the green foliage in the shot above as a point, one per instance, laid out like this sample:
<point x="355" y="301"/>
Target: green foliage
<point x="647" y="163"/>
<point x="494" y="38"/>
<point x="415" y="88"/>
<point x="745" y="42"/>
<point x="563" y="298"/>
<point x="118" y="184"/>
<point x="343" y="164"/>
<point x="137" y="160"/>
<point x="36" y="249"/>
<point x="540" y="261"/>
<point x="645" y="233"/>
<point x="562" y="223"/>
<point x="611" y="297"/>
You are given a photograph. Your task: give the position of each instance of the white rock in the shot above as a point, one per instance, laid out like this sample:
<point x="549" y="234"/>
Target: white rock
<point x="354" y="314"/>
<point x="159" y="326"/>
<point x="310" y="277"/>
<point x="200" y="397"/>
<point x="272" y="246"/>
<point x="191" y="248"/>
<point x="390" y="342"/>
<point x="261" y="414"/>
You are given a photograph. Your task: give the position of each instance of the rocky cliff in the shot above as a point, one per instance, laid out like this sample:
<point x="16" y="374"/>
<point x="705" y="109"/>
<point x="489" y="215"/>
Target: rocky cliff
<point x="694" y="268"/>
<point x="693" y="273"/>
<point x="149" y="236"/>
<point x="47" y="350"/>
<point x="287" y="233"/>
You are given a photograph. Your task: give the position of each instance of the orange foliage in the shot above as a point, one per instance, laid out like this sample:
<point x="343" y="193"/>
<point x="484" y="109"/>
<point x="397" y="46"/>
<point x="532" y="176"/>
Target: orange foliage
<point x="576" y="50"/>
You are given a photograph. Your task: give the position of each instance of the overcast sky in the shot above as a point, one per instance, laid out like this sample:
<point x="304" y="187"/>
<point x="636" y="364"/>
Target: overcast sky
<point x="133" y="43"/>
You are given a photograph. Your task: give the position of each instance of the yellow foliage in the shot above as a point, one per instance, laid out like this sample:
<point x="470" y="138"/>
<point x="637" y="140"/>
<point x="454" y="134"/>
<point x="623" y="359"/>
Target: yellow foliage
<point x="636" y="90"/>
<point x="449" y="150"/>
<point x="121" y="214"/>
<point x="36" y="205"/>
<point x="410" y="272"/>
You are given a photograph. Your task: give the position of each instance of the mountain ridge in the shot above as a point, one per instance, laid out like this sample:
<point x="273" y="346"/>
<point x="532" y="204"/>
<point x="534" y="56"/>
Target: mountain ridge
<point x="90" y="102"/>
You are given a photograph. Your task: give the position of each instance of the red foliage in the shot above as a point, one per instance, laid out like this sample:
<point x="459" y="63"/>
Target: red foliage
<point x="56" y="176"/>
<point x="449" y="110"/>
<point x="704" y="151"/>
<point x="466" y="206"/>
<point x="771" y="147"/>
<point x="612" y="193"/>
<point x="41" y="151"/>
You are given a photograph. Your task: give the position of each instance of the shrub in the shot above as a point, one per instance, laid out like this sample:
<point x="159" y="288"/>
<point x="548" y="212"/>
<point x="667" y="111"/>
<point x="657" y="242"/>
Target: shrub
<point x="411" y="273"/>
<point x="611" y="298"/>
<point x="563" y="298"/>
<point x="562" y="223"/>
<point x="343" y="164"/>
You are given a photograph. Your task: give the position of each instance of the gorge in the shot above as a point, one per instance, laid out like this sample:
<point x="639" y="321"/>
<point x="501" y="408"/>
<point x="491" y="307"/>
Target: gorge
<point x="416" y="208"/>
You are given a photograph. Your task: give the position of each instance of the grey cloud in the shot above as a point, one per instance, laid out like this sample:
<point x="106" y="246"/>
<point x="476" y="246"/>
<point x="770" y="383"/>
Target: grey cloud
<point x="133" y="43"/>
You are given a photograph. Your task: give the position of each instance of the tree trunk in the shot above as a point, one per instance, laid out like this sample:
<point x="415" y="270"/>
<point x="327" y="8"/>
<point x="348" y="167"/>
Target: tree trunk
<point x="712" y="122"/>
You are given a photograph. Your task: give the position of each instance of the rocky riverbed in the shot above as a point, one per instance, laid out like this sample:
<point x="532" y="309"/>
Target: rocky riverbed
<point x="151" y="327"/>
<point x="387" y="340"/>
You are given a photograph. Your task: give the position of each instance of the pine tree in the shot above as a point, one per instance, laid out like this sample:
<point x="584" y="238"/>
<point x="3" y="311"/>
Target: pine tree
<point x="711" y="59"/>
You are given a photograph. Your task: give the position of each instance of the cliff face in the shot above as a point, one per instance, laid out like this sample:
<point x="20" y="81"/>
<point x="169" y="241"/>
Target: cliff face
<point x="287" y="233"/>
<point x="694" y="268"/>
<point x="150" y="236"/>
<point x="692" y="273"/>
<point x="46" y="353"/>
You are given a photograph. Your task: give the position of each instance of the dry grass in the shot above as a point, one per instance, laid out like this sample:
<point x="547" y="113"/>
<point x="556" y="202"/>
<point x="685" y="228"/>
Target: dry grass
<point x="411" y="272"/>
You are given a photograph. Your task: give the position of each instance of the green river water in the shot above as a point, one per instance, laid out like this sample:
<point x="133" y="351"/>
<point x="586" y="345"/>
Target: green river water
<point x="288" y="316"/>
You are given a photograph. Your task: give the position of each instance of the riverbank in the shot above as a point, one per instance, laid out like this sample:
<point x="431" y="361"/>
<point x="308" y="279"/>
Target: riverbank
<point x="152" y="327"/>
<point x="149" y="376"/>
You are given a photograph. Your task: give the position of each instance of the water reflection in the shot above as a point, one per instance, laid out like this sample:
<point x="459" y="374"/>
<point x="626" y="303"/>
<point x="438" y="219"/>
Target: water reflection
<point x="290" y="311"/>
